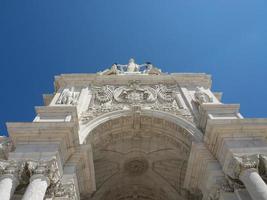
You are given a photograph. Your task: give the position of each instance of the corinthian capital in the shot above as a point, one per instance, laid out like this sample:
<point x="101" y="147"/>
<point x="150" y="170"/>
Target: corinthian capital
<point x="241" y="163"/>
<point x="11" y="167"/>
<point x="48" y="168"/>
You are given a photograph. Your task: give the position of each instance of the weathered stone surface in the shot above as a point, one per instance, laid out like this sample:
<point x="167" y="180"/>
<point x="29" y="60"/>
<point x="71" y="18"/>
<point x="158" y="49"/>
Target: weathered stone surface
<point x="133" y="132"/>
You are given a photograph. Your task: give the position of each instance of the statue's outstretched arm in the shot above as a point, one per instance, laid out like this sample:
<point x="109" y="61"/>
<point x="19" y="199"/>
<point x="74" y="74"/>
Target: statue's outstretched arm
<point x="121" y="66"/>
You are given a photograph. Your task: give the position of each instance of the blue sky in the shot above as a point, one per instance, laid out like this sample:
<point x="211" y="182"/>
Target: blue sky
<point x="40" y="39"/>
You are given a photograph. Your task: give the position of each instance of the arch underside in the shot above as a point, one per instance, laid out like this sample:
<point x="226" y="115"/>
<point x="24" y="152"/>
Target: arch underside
<point x="140" y="157"/>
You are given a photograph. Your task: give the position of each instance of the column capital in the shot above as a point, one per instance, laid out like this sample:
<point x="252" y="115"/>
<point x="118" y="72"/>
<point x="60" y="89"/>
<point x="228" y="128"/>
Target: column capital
<point x="240" y="163"/>
<point x="47" y="168"/>
<point x="11" y="167"/>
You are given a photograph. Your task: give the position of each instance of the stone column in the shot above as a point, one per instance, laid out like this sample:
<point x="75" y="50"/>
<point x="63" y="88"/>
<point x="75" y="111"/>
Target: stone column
<point x="9" y="180"/>
<point x="43" y="173"/>
<point x="245" y="168"/>
<point x="8" y="184"/>
<point x="37" y="188"/>
<point x="254" y="184"/>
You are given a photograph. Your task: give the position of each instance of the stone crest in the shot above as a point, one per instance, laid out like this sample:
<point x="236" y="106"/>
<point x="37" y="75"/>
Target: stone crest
<point x="110" y="98"/>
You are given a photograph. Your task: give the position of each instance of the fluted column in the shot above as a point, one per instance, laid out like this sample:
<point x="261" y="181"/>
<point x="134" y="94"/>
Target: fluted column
<point x="254" y="184"/>
<point x="37" y="188"/>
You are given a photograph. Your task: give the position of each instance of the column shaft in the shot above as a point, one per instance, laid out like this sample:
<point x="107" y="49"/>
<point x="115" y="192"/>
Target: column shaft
<point x="37" y="188"/>
<point x="254" y="184"/>
<point x="8" y="184"/>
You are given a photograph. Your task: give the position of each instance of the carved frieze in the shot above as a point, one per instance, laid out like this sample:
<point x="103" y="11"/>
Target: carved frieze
<point x="152" y="97"/>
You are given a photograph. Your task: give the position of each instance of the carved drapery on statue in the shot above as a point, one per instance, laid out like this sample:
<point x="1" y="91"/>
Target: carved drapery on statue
<point x="151" y="97"/>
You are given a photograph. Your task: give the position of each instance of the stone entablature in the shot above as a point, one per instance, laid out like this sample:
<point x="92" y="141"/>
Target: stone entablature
<point x="82" y="80"/>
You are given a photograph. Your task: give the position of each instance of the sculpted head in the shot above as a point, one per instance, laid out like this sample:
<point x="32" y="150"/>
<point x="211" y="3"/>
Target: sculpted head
<point x="131" y="60"/>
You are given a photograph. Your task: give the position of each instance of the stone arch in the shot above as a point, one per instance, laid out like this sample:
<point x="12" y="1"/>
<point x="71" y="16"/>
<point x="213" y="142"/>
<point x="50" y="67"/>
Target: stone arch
<point x="140" y="154"/>
<point x="196" y="134"/>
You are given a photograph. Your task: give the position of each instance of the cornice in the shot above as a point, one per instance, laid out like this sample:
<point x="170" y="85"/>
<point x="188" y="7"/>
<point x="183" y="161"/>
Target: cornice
<point x="183" y="79"/>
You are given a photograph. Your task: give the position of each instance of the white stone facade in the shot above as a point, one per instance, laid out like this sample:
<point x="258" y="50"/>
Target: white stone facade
<point x="130" y="133"/>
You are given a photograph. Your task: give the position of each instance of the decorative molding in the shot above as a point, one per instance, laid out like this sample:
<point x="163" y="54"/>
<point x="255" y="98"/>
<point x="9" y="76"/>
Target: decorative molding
<point x="110" y="98"/>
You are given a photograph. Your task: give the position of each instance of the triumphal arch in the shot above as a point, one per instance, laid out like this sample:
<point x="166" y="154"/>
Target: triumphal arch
<point x="132" y="132"/>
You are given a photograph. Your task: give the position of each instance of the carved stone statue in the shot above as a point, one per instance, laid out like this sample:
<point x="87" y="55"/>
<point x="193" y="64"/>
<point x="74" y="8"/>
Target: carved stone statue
<point x="112" y="71"/>
<point x="131" y="66"/>
<point x="201" y="96"/>
<point x="68" y="97"/>
<point x="152" y="70"/>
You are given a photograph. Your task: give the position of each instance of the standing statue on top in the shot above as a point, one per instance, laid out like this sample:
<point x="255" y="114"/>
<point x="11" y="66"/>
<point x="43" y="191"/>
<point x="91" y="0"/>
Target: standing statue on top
<point x="131" y="66"/>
